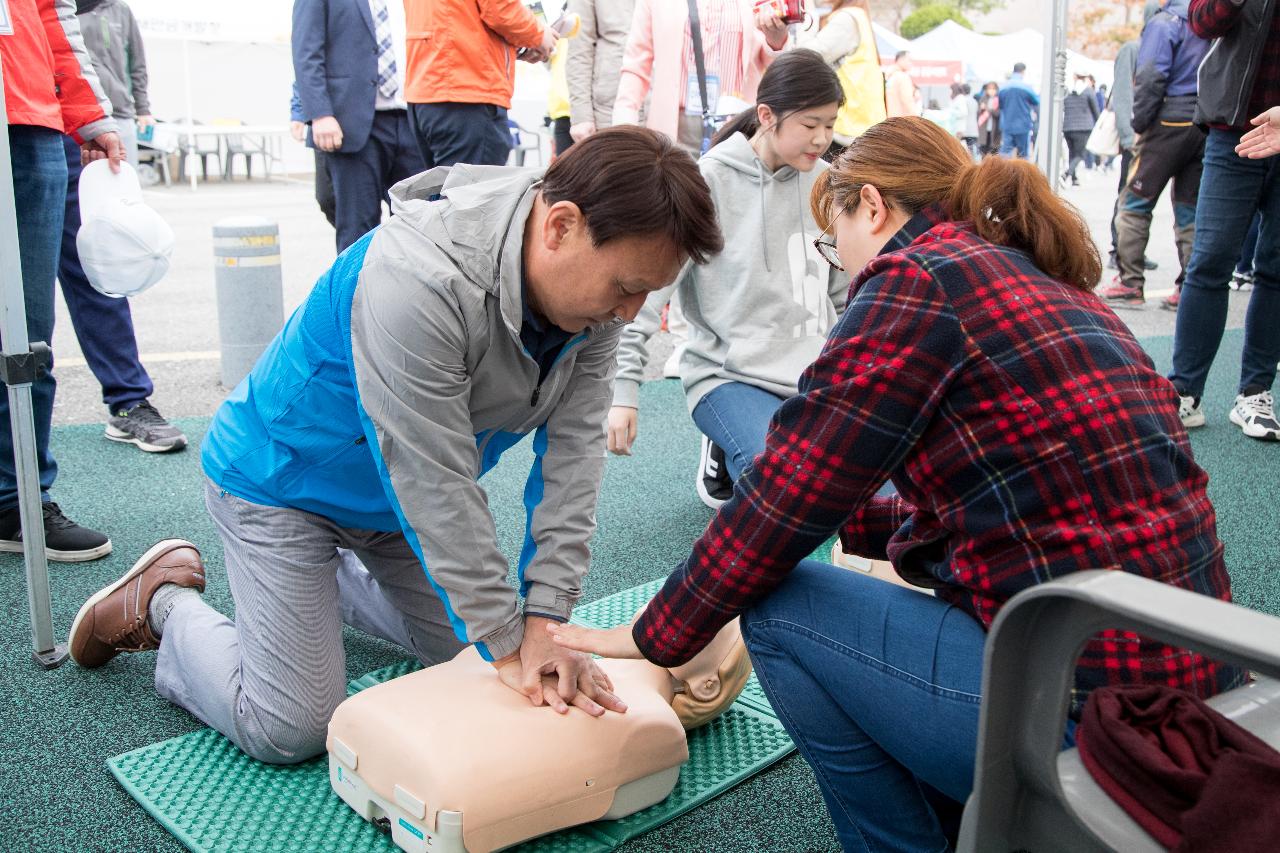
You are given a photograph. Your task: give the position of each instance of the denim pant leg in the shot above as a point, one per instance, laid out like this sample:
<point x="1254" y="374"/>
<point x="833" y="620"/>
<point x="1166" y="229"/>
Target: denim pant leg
<point x="39" y="189"/>
<point x="1262" y="320"/>
<point x="736" y="417"/>
<point x="1231" y="189"/>
<point x="103" y="324"/>
<point x="880" y="688"/>
<point x="1250" y="247"/>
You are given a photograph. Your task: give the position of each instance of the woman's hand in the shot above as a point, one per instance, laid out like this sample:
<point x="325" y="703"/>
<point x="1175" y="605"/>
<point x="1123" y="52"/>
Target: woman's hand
<point x="547" y="673"/>
<point x="1264" y="139"/>
<point x="606" y="642"/>
<point x="624" y="422"/>
<point x="769" y="22"/>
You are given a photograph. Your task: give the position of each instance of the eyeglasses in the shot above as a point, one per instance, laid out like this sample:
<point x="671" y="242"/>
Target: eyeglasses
<point x="827" y="248"/>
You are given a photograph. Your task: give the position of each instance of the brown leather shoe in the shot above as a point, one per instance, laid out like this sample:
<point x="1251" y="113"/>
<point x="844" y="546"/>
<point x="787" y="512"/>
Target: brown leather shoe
<point x="114" y="619"/>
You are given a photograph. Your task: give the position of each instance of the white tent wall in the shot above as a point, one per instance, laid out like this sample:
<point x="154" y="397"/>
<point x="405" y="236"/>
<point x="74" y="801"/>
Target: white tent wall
<point x="229" y="80"/>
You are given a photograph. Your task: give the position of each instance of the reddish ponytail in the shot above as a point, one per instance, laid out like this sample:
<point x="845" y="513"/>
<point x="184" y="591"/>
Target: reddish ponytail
<point x="914" y="163"/>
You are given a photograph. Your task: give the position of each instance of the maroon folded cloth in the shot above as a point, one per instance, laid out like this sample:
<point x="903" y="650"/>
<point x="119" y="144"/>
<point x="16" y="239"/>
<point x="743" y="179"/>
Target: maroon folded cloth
<point x="1189" y="776"/>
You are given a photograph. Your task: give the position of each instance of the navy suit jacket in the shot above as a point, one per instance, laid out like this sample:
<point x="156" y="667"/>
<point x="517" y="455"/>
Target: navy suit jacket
<point x="335" y="64"/>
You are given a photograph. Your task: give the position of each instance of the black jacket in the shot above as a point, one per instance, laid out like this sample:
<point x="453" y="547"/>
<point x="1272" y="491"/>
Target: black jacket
<point x="1231" y="66"/>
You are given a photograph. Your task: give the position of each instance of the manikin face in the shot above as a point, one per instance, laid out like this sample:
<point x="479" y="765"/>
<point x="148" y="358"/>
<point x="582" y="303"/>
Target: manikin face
<point x="799" y="140"/>
<point x="862" y="232"/>
<point x="573" y="284"/>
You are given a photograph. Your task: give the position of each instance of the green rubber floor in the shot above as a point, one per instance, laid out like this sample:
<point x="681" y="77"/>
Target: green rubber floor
<point x="59" y="728"/>
<point x="215" y="799"/>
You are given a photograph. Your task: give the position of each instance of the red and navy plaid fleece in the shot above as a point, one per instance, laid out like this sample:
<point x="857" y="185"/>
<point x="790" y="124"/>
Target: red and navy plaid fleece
<point x="1027" y="434"/>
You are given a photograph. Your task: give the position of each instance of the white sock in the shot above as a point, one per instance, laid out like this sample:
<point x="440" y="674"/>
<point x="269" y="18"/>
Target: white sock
<point x="162" y="602"/>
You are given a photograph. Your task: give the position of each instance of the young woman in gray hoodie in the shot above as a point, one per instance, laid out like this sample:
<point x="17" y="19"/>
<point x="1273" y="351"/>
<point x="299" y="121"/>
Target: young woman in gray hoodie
<point x="760" y="311"/>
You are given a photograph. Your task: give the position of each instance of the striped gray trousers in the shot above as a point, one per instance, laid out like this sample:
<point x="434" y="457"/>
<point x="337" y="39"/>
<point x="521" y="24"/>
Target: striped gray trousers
<point x="270" y="680"/>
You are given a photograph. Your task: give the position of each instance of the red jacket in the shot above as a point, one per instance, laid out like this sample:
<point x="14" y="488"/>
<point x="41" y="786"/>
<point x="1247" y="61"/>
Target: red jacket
<point x="49" y="80"/>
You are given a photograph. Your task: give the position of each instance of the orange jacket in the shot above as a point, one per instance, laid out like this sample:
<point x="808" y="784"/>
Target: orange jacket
<point x="464" y="51"/>
<point x="48" y="78"/>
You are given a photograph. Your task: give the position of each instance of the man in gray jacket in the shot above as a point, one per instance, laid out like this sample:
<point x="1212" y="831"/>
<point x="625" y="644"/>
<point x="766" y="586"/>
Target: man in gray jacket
<point x="595" y="63"/>
<point x="433" y="344"/>
<point x="115" y="43"/>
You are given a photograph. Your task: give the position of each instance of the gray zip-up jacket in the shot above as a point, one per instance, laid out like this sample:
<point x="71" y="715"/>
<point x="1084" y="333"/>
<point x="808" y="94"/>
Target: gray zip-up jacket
<point x="595" y="59"/>
<point x="402" y="379"/>
<point x="758" y="312"/>
<point x="115" y="43"/>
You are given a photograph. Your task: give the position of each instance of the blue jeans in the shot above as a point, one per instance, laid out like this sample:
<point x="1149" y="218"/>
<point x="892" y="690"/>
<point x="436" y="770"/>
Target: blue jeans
<point x="880" y="688"/>
<point x="736" y="417"/>
<point x="1232" y="189"/>
<point x="1020" y="141"/>
<point x="103" y="324"/>
<point x="1245" y="264"/>
<point x="39" y="187"/>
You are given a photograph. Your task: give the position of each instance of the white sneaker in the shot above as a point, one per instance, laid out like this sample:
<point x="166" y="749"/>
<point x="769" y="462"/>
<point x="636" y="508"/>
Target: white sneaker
<point x="1256" y="416"/>
<point x="1190" y="413"/>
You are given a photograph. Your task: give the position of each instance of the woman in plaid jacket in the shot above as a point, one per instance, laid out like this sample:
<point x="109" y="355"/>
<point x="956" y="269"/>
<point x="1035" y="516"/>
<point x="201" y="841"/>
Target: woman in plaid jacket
<point x="1028" y="436"/>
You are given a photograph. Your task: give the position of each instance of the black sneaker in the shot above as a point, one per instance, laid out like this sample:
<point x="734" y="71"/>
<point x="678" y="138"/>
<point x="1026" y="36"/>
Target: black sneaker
<point x="64" y="540"/>
<point x="144" y="426"/>
<point x="713" y="483"/>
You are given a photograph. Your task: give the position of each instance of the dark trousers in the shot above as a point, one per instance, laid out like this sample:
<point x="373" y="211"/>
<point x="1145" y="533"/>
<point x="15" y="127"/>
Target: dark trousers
<point x="1076" y="140"/>
<point x="1166" y="153"/>
<point x="563" y="141"/>
<point x="361" y="178"/>
<point x="461" y="133"/>
<point x="324" y="189"/>
<point x="1126" y="158"/>
<point x="39" y="190"/>
<point x="103" y="324"/>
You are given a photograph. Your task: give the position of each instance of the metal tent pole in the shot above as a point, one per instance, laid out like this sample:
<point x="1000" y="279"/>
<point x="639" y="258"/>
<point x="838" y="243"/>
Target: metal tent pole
<point x="19" y="362"/>
<point x="1052" y="92"/>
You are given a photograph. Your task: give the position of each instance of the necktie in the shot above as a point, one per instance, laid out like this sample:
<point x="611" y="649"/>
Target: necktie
<point x="387" y="84"/>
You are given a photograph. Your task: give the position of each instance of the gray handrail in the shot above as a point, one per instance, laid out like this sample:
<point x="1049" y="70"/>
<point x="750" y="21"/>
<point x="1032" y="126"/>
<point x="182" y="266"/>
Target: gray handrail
<point x="1032" y="652"/>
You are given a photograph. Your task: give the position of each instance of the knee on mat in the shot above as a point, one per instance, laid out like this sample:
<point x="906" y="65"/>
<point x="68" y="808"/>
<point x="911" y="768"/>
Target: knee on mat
<point x="285" y="741"/>
<point x="297" y="745"/>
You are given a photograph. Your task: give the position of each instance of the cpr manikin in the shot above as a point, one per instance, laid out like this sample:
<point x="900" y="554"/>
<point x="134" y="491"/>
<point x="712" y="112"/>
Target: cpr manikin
<point x="483" y="769"/>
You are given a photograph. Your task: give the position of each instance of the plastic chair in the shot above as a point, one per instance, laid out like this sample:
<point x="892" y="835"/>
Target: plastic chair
<point x="153" y="155"/>
<point x="203" y="146"/>
<point x="524" y="141"/>
<point x="246" y="147"/>
<point x="1031" y="795"/>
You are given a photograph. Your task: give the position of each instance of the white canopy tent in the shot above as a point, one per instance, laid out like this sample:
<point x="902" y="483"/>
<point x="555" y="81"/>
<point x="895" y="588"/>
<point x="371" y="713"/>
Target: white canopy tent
<point x="989" y="57"/>
<point x="229" y="60"/>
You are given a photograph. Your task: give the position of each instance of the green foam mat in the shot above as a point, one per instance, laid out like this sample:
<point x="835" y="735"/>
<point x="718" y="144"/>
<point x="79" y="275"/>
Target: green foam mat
<point x="215" y="799"/>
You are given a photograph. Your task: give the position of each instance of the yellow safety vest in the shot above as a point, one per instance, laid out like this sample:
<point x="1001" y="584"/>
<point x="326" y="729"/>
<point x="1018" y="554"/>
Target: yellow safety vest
<point x="862" y="81"/>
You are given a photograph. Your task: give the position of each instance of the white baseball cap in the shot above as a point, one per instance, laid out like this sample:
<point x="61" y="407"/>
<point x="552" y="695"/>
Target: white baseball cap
<point x="124" y="245"/>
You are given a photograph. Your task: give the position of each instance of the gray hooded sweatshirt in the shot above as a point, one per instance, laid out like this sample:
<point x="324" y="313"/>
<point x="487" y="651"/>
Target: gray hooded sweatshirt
<point x="760" y="311"/>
